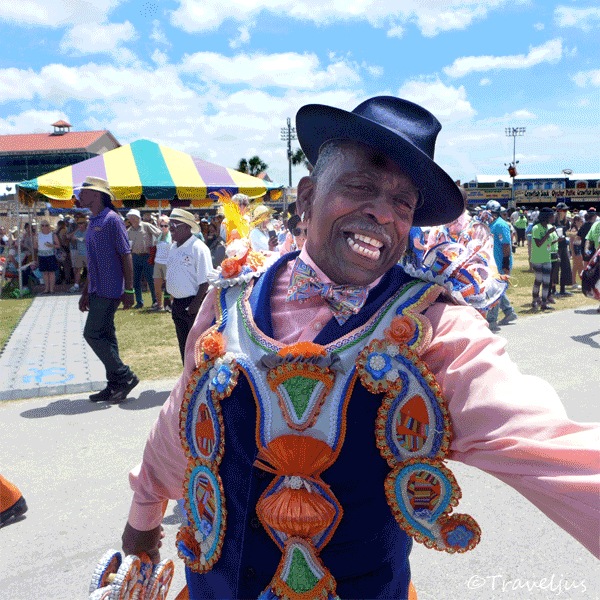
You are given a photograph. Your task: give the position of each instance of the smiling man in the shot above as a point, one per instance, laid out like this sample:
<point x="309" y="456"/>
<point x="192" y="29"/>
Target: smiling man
<point x="309" y="429"/>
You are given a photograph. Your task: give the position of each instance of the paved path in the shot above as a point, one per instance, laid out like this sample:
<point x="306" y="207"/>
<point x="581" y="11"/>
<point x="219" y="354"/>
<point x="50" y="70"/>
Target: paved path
<point x="71" y="459"/>
<point x="47" y="355"/>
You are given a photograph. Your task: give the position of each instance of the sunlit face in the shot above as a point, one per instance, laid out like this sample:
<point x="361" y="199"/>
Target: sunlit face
<point x="359" y="214"/>
<point x="135" y="221"/>
<point x="299" y="233"/>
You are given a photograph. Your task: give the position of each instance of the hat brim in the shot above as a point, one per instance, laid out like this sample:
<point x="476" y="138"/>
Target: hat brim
<point x="442" y="200"/>
<point x="79" y="189"/>
<point x="194" y="227"/>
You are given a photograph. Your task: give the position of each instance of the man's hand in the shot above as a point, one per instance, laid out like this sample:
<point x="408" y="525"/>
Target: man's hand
<point x="136" y="542"/>
<point x="127" y="300"/>
<point x="194" y="307"/>
<point x="84" y="301"/>
<point x="272" y="243"/>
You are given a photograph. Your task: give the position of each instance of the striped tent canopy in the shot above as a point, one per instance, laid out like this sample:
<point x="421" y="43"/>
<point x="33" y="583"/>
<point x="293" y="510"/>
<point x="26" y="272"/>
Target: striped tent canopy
<point x="146" y="174"/>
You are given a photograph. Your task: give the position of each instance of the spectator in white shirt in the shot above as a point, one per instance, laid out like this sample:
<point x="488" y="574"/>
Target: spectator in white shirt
<point x="188" y="265"/>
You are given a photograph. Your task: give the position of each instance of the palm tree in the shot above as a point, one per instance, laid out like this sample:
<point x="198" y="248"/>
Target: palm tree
<point x="299" y="158"/>
<point x="253" y="166"/>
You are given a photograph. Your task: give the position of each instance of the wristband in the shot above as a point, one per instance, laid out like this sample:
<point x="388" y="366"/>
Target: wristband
<point x="506" y="263"/>
<point x="128" y="292"/>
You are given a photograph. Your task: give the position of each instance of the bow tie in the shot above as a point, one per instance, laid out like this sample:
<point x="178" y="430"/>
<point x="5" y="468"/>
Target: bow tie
<point x="343" y="300"/>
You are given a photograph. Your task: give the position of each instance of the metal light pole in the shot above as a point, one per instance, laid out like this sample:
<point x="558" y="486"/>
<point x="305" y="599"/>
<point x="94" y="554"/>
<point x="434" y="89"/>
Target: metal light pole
<point x="513" y="132"/>
<point x="566" y="173"/>
<point x="287" y="135"/>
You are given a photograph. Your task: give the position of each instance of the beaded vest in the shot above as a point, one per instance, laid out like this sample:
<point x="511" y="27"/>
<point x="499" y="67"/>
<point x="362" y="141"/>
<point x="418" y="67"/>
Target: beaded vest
<point x="301" y="393"/>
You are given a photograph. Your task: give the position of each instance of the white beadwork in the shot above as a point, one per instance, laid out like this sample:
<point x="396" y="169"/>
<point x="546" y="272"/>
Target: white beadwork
<point x="377" y="362"/>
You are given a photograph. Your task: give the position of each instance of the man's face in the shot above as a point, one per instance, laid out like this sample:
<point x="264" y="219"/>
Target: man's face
<point x="135" y="221"/>
<point x="359" y="214"/>
<point x="89" y="198"/>
<point x="179" y="231"/>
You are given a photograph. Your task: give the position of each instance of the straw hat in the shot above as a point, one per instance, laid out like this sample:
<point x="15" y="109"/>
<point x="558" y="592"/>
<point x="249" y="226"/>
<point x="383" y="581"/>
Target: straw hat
<point x="98" y="184"/>
<point x="178" y="214"/>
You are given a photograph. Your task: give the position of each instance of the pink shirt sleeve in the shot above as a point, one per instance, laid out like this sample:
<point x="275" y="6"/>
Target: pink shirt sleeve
<point x="160" y="475"/>
<point x="514" y="426"/>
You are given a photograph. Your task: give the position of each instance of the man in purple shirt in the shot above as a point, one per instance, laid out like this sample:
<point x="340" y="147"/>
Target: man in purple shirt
<point x="110" y="276"/>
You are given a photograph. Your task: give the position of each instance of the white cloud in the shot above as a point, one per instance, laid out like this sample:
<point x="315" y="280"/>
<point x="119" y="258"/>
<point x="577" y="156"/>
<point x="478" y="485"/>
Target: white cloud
<point x="158" y="35"/>
<point x="485" y="81"/>
<point x="160" y="58"/>
<point x="242" y="38"/>
<point x="289" y="69"/>
<point x="547" y="131"/>
<point x="473" y="139"/>
<point x="571" y="52"/>
<point x="582" y="18"/>
<point x="396" y="31"/>
<point x="32" y="121"/>
<point x="373" y="70"/>
<point x="57" y="13"/>
<point x="551" y="52"/>
<point x="582" y="78"/>
<point x="583" y="102"/>
<point x="521" y="114"/>
<point x="58" y="84"/>
<point x="90" y="38"/>
<point x="539" y="26"/>
<point x="447" y="103"/>
<point x="431" y="17"/>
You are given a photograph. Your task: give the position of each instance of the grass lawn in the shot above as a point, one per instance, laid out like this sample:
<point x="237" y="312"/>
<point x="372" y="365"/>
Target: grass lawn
<point x="11" y="312"/>
<point x="521" y="284"/>
<point x="148" y="343"/>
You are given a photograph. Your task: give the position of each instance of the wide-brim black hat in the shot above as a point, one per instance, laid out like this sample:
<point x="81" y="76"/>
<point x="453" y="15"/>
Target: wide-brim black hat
<point x="399" y="129"/>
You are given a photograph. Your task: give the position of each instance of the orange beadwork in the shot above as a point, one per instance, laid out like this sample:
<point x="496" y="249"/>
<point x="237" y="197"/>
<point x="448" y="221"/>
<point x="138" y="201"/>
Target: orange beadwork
<point x="295" y="455"/>
<point x="230" y="267"/>
<point x="213" y="344"/>
<point x="296" y="512"/>
<point x="402" y="330"/>
<point x="255" y="260"/>
<point x="303" y="349"/>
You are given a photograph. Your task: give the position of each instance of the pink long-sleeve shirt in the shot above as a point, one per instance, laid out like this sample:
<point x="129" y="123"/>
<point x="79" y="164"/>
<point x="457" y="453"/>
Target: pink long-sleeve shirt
<point x="510" y="425"/>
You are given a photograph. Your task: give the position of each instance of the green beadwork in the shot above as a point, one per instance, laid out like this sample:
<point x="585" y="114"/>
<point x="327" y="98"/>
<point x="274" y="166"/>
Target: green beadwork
<point x="300" y="390"/>
<point x="301" y="579"/>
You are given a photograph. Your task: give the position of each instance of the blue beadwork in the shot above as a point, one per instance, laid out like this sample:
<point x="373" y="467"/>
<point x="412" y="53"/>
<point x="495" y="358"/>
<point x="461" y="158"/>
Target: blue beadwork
<point x="378" y="373"/>
<point x="437" y="427"/>
<point x="413" y="300"/>
<point x="185" y="550"/>
<point x="223" y="302"/>
<point x="189" y="421"/>
<point x="443" y="501"/>
<point x="245" y="365"/>
<point x="460" y="537"/>
<point x="206" y="472"/>
<point x="221" y="386"/>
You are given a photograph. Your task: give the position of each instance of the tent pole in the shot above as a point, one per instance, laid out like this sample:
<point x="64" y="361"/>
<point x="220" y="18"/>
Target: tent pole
<point x="19" y="243"/>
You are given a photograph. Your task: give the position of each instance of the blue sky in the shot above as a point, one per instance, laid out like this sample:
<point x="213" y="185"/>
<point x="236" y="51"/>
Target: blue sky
<point x="218" y="78"/>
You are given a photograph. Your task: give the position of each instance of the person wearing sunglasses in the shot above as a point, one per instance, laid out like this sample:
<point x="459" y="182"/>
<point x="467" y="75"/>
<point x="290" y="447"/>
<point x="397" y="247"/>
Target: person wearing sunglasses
<point x="163" y="243"/>
<point x="296" y="236"/>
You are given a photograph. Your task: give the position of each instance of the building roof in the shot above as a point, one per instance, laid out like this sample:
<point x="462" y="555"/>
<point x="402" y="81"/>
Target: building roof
<point x="570" y="177"/>
<point x="493" y="178"/>
<point x="49" y="142"/>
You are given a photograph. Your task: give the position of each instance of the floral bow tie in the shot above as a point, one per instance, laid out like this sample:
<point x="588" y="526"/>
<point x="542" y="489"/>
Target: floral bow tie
<point x="344" y="300"/>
